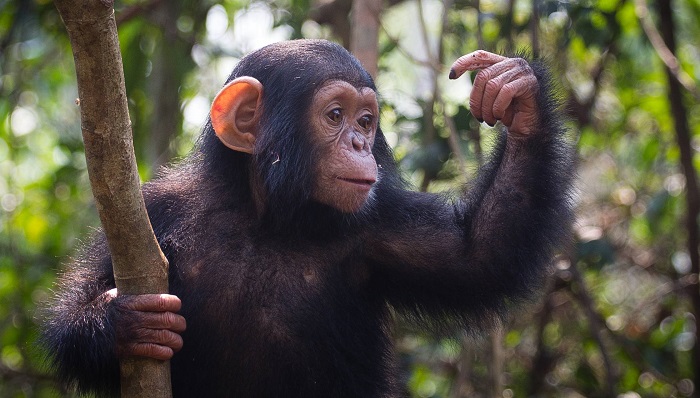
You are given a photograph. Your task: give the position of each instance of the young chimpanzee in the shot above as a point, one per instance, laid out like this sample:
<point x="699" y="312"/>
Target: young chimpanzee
<point x="291" y="236"/>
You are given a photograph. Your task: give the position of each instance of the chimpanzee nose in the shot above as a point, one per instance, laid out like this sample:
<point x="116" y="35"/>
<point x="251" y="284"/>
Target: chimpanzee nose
<point x="358" y="142"/>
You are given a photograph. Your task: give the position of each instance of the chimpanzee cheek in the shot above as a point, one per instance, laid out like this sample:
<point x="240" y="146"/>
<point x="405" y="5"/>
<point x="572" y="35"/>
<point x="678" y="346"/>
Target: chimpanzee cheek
<point x="343" y="163"/>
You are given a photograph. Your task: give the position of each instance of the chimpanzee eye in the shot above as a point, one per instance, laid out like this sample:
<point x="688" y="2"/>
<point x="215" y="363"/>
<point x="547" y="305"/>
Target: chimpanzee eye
<point x="366" y="122"/>
<point x="335" y="115"/>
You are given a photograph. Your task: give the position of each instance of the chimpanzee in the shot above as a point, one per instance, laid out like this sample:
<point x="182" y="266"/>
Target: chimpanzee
<point x="293" y="240"/>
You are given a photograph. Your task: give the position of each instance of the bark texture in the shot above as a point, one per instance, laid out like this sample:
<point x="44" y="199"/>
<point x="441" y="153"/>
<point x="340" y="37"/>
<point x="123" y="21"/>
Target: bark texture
<point x="139" y="265"/>
<point x="364" y="42"/>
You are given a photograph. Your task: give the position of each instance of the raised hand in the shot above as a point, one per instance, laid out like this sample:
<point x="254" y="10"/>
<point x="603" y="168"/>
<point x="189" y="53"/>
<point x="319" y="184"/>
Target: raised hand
<point x="147" y="325"/>
<point x="505" y="90"/>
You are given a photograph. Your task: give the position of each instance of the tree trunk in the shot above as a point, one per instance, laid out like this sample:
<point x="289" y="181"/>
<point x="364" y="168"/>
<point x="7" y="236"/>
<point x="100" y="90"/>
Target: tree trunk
<point x="139" y="265"/>
<point x="364" y="42"/>
<point x="497" y="363"/>
<point x="535" y="28"/>
<point x="680" y="119"/>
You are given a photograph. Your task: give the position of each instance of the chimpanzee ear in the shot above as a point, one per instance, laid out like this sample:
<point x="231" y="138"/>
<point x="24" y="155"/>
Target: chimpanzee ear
<point x="235" y="113"/>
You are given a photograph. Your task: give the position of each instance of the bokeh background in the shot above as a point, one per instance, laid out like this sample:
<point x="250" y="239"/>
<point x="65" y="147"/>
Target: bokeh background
<point x="619" y="317"/>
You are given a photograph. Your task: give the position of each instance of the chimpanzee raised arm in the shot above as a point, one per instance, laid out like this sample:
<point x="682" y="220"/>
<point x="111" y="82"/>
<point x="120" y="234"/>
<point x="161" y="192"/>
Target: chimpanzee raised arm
<point x="471" y="258"/>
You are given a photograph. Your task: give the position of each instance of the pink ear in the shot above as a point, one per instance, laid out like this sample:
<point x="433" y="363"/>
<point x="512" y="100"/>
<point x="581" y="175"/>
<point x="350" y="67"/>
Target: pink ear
<point x="235" y="113"/>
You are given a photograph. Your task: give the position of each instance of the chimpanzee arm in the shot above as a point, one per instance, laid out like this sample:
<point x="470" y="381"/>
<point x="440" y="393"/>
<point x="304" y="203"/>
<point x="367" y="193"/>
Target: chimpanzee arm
<point x="470" y="259"/>
<point x="78" y="330"/>
<point x="87" y="326"/>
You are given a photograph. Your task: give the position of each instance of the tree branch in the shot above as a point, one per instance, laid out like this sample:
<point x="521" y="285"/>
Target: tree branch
<point x="662" y="50"/>
<point x="136" y="10"/>
<point x="684" y="136"/>
<point x="138" y="263"/>
<point x="364" y="42"/>
<point x="596" y="324"/>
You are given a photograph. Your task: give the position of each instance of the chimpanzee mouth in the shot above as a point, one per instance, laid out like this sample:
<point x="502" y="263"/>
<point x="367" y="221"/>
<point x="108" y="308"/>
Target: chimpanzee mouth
<point x="363" y="182"/>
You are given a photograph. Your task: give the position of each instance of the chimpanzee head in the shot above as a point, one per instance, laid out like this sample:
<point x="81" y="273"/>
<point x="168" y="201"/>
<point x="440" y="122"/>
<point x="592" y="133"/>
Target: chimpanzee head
<point x="306" y="116"/>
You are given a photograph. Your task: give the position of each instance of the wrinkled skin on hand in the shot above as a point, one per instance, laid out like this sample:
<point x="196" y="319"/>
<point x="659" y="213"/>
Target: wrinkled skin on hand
<point x="147" y="325"/>
<point x="505" y="90"/>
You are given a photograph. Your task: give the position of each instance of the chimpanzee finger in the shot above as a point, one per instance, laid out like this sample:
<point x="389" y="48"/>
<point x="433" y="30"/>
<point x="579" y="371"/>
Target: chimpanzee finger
<point x="479" y="59"/>
<point x="152" y="302"/>
<point x="494" y="87"/>
<point x="508" y="116"/>
<point x="163" y="320"/>
<point x="148" y="350"/>
<point x="521" y="90"/>
<point x="161" y="337"/>
<point x="480" y="104"/>
<point x="476" y="96"/>
<point x="110" y="294"/>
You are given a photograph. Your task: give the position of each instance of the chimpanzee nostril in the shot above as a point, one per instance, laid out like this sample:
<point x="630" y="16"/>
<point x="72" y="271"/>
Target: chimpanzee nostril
<point x="358" y="142"/>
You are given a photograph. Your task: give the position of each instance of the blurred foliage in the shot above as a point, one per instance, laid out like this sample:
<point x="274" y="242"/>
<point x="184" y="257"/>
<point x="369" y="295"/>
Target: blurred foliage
<point x="616" y="318"/>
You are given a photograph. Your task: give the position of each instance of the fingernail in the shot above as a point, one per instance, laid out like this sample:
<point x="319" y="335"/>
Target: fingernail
<point x="453" y="74"/>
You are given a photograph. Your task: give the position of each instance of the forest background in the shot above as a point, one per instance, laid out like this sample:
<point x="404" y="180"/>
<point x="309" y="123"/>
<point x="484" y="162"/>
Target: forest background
<point x="619" y="317"/>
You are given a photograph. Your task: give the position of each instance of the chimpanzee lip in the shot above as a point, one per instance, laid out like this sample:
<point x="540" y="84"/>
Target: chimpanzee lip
<point x="359" y="181"/>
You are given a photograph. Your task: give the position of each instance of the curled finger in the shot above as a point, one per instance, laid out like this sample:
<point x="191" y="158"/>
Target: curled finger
<point x="161" y="337"/>
<point x="498" y="91"/>
<point x="148" y="350"/>
<point x="152" y="302"/>
<point x="163" y="320"/>
<point x="477" y="95"/>
<point x="479" y="59"/>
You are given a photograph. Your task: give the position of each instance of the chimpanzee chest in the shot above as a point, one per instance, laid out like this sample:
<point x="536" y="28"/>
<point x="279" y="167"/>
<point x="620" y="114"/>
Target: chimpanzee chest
<point x="286" y="323"/>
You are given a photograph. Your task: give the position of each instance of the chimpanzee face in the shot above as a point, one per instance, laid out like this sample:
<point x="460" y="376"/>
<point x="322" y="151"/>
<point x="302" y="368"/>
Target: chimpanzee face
<point x="344" y="123"/>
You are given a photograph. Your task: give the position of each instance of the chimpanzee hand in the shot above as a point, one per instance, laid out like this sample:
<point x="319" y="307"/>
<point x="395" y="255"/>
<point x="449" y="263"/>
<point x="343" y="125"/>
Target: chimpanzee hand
<point x="505" y="89"/>
<point x="146" y="325"/>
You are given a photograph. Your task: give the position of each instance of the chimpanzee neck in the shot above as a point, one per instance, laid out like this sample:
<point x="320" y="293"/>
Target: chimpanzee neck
<point x="312" y="220"/>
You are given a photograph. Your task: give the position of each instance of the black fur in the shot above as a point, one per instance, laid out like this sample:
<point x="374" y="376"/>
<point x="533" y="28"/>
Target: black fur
<point x="294" y="301"/>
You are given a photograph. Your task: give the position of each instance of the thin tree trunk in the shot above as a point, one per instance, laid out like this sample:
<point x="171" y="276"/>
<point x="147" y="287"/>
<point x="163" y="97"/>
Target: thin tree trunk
<point x="429" y="131"/>
<point x="139" y="265"/>
<point x="683" y="137"/>
<point x="364" y="42"/>
<point x="542" y="361"/>
<point x="462" y="386"/>
<point x="479" y="25"/>
<point x="535" y="28"/>
<point x="165" y="82"/>
<point x="595" y="326"/>
<point x="497" y="363"/>
<point x="507" y="29"/>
